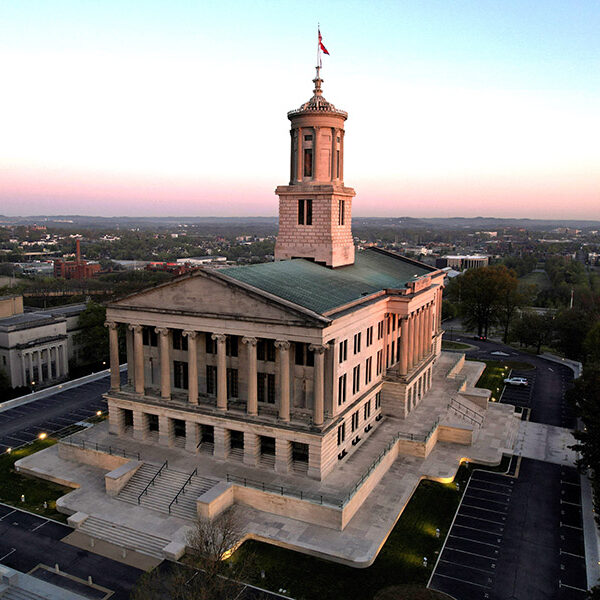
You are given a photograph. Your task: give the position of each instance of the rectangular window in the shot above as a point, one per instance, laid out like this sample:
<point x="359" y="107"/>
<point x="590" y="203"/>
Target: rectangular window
<point x="211" y="345"/>
<point x="180" y="374"/>
<point x="343" y="350"/>
<point x="180" y="342"/>
<point x="266" y="387"/>
<point x="397" y="349"/>
<point x="149" y="337"/>
<point x="389" y="324"/>
<point x="377" y="400"/>
<point x="379" y="362"/>
<point x="356" y="379"/>
<point x="308" y="138"/>
<point x="393" y="351"/>
<point x="380" y="330"/>
<point x="308" y="162"/>
<point x="304" y="356"/>
<point x="337" y="164"/>
<point x="265" y="350"/>
<point x="341" y="434"/>
<point x="368" y="370"/>
<point x="231" y="345"/>
<point x="393" y="322"/>
<point x="341" y="389"/>
<point x="305" y="212"/>
<point x="309" y="212"/>
<point x="300" y="212"/>
<point x="367" y="410"/>
<point x="357" y="337"/>
<point x="369" y="336"/>
<point x="341" y="212"/>
<point x="354" y="421"/>
<point x="232" y="383"/>
<point x="211" y="380"/>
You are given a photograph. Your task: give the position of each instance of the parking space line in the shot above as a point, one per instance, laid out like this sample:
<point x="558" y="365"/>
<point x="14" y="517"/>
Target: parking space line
<point x="488" y="509"/>
<point x="569" y="483"/>
<point x="40" y="525"/>
<point x="7" y="554"/>
<point x="571" y="554"/>
<point x="491" y="491"/>
<point x="459" y="537"/>
<point x="471" y="553"/>
<point x="485" y="587"/>
<point x="571" y="587"/>
<point x="8" y="514"/>
<point x="469" y="566"/>
<point x="484" y="520"/>
<point x="570" y="503"/>
<point x="475" y="529"/>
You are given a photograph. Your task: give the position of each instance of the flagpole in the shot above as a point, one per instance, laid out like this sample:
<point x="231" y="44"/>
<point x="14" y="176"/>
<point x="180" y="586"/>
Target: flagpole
<point x="318" y="49"/>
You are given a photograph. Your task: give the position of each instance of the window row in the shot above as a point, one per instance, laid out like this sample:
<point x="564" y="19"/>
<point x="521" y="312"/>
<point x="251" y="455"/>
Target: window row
<point x="355" y="419"/>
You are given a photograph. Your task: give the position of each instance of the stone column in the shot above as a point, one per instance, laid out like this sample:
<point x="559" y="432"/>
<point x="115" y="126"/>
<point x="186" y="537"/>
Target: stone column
<point x="251" y="449"/>
<point x="342" y="132"/>
<point x="221" y="339"/>
<point x="409" y="351"/>
<point x="283" y="455"/>
<point x="417" y="338"/>
<point x="403" y="367"/>
<point x="284" y="379"/>
<point x="116" y="421"/>
<point x="113" y="340"/>
<point x="333" y="152"/>
<point x="192" y="367"/>
<point x="300" y="156"/>
<point x="30" y="359"/>
<point x="165" y="431"/>
<point x="252" y="401"/>
<point x="39" y="362"/>
<point x="191" y="436"/>
<point x="140" y="425"/>
<point x="222" y="442"/>
<point x="54" y="349"/>
<point x="23" y="370"/>
<point x="316" y="146"/>
<point x="130" y="357"/>
<point x="138" y="358"/>
<point x="430" y="323"/>
<point x="165" y="363"/>
<point x="319" y="383"/>
<point x="65" y="359"/>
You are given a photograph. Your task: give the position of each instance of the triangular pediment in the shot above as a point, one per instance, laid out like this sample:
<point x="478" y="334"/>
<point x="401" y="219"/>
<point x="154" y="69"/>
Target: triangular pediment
<point x="206" y="293"/>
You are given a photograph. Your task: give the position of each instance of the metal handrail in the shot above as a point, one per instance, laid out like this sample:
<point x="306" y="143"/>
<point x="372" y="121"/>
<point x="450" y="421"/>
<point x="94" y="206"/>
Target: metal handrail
<point x="165" y="465"/>
<point x="477" y="418"/>
<point x="113" y="451"/>
<point x="194" y="472"/>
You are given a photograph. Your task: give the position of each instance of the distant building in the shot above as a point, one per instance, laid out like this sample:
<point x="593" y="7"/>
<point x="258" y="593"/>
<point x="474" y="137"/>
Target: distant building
<point x="170" y="267"/>
<point x="197" y="261"/>
<point x="75" y="269"/>
<point x="462" y="262"/>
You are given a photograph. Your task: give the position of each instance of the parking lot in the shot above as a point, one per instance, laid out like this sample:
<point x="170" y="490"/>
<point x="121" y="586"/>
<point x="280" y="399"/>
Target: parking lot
<point x="507" y="542"/>
<point x="519" y="395"/>
<point x="23" y="424"/>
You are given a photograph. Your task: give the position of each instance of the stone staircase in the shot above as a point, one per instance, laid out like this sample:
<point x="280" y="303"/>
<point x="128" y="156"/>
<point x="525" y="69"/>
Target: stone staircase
<point x="126" y="537"/>
<point x="164" y="489"/>
<point x="466" y="411"/>
<point x="18" y="594"/>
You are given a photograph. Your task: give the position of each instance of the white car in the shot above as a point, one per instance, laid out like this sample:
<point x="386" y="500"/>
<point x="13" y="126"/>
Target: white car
<point x="516" y="381"/>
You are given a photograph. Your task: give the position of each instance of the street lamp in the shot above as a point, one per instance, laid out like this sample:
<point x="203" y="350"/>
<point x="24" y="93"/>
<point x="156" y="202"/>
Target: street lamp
<point x="42" y="436"/>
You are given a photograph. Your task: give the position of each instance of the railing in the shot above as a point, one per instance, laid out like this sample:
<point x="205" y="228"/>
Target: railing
<point x="165" y="465"/>
<point x="194" y="472"/>
<point x="462" y="409"/>
<point x="112" y="450"/>
<point x="322" y="499"/>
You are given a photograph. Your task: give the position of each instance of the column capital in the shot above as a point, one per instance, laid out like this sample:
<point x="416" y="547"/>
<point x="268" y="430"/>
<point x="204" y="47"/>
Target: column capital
<point x="317" y="348"/>
<point x="220" y="338"/>
<point x="190" y="334"/>
<point x="251" y="341"/>
<point x="111" y="324"/>
<point x="282" y="344"/>
<point x="162" y="330"/>
<point x="136" y="328"/>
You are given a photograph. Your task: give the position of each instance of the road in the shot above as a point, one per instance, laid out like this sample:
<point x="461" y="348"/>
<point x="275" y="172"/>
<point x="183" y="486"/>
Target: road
<point x="519" y="536"/>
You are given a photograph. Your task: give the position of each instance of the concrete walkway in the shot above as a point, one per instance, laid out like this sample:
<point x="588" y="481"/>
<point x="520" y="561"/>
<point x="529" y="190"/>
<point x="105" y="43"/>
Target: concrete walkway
<point x="546" y="442"/>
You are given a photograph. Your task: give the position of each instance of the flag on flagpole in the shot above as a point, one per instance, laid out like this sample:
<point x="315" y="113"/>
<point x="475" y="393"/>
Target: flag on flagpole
<point x="321" y="45"/>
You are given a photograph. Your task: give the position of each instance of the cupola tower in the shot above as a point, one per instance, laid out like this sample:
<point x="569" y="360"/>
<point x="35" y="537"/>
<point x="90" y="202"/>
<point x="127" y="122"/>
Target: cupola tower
<point x="315" y="208"/>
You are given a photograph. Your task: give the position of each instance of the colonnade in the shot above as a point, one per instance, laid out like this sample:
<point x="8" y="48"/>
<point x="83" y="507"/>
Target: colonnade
<point x="283" y="367"/>
<point x="37" y="357"/>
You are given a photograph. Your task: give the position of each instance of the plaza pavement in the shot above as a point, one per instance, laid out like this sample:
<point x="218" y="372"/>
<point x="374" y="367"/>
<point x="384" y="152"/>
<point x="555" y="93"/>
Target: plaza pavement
<point x="361" y="540"/>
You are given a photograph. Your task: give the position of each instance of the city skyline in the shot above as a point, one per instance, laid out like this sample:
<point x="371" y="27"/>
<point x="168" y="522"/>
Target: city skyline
<point x="165" y="109"/>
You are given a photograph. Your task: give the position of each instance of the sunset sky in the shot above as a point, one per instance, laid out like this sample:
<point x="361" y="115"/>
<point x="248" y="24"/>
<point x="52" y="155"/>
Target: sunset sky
<point x="466" y="108"/>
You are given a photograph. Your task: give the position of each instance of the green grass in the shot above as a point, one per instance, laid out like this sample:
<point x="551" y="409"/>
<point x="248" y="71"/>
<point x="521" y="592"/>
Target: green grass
<point x="539" y="278"/>
<point x="448" y="345"/>
<point x="36" y="491"/>
<point x="399" y="563"/>
<point x="495" y="373"/>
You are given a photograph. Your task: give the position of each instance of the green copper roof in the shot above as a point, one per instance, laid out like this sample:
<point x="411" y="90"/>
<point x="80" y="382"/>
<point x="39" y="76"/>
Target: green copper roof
<point x="322" y="289"/>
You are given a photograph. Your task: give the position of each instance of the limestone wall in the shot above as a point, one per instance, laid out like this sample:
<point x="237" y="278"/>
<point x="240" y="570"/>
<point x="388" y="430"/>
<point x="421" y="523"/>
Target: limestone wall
<point x="109" y="462"/>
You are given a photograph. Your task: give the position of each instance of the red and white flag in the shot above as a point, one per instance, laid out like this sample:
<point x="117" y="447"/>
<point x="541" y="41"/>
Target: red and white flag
<point x="321" y="45"/>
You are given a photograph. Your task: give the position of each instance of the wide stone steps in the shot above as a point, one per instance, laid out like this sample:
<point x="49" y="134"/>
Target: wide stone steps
<point x="16" y="594"/>
<point x="164" y="489"/>
<point x="185" y="506"/>
<point x="126" y="537"/>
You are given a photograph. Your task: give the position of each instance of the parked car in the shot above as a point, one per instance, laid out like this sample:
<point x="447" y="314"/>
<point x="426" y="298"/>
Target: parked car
<point x="516" y="381"/>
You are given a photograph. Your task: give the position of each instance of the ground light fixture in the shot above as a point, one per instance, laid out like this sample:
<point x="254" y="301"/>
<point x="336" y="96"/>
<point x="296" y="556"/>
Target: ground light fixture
<point x="98" y="413"/>
<point x="42" y="436"/>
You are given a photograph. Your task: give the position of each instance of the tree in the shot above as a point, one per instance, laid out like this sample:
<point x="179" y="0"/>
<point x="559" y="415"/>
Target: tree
<point x="93" y="337"/>
<point x="534" y="329"/>
<point x="571" y="328"/>
<point x="591" y="344"/>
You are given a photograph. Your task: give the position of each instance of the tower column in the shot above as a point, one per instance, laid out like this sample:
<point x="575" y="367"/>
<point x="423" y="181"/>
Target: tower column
<point x="403" y="367"/>
<point x="319" y="383"/>
<point x="252" y="402"/>
<point x="165" y="363"/>
<point x="113" y="335"/>
<point x="221" y="340"/>
<point x="284" y="379"/>
<point x="192" y="366"/>
<point x="299" y="155"/>
<point x="138" y="358"/>
<point x="317" y="175"/>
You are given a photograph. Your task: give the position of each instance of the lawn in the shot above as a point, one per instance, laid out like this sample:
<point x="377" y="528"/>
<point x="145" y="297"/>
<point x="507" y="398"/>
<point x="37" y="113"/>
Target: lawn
<point x="36" y="491"/>
<point x="400" y="562"/>
<point x="495" y="373"/>
<point x="448" y="345"/>
<point x="539" y="278"/>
